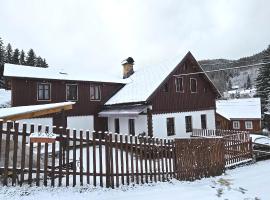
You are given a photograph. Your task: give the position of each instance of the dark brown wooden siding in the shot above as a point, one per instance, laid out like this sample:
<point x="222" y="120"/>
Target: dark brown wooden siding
<point x="223" y="123"/>
<point x="255" y="122"/>
<point x="172" y="101"/>
<point x="24" y="92"/>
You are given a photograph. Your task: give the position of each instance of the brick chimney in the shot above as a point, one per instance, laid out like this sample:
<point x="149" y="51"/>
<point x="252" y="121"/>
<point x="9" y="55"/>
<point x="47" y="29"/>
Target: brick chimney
<point x="128" y="67"/>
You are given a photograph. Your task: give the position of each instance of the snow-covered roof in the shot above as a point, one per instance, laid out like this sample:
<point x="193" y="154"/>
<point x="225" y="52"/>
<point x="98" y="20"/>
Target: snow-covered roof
<point x="5" y="98"/>
<point x="145" y="81"/>
<point x="20" y="110"/>
<point x="11" y="70"/>
<point x="248" y="108"/>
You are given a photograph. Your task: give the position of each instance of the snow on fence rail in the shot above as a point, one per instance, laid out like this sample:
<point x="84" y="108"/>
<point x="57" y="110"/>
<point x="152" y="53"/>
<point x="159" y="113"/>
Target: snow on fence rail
<point x="78" y="158"/>
<point x="238" y="144"/>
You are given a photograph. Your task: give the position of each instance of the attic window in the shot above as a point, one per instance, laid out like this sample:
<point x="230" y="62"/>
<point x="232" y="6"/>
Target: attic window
<point x="193" y="85"/>
<point x="166" y="87"/>
<point x="184" y="67"/>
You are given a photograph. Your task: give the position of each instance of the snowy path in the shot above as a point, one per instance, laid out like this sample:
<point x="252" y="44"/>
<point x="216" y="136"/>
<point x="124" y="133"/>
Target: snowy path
<point x="249" y="182"/>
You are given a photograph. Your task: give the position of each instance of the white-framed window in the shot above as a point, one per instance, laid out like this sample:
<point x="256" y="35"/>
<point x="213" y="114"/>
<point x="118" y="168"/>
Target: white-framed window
<point x="71" y="92"/>
<point x="193" y="85"/>
<point x="179" y="86"/>
<point x="95" y="94"/>
<point x="43" y="91"/>
<point x="236" y="125"/>
<point x="248" y="124"/>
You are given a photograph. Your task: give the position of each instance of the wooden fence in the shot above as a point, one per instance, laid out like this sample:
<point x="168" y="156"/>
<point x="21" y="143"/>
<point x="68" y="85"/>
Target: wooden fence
<point x="102" y="159"/>
<point x="238" y="144"/>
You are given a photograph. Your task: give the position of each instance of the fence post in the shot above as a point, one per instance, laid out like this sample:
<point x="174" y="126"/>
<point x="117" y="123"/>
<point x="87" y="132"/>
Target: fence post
<point x="107" y="161"/>
<point x="9" y="126"/>
<point x="23" y="153"/>
<point x="15" y="149"/>
<point x="30" y="157"/>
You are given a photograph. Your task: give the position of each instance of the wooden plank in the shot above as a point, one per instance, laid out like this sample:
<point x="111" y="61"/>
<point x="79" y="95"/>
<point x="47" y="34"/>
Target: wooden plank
<point x="162" y="160"/>
<point x="38" y="159"/>
<point x="170" y="157"/>
<point x="81" y="157"/>
<point x="127" y="159"/>
<point x="46" y="159"/>
<point x="100" y="159"/>
<point x="60" y="164"/>
<point x="53" y="160"/>
<point x="15" y="149"/>
<point x="30" y="157"/>
<point x="9" y="126"/>
<point x="111" y="162"/>
<point x="141" y="160"/>
<point x="122" y="160"/>
<point x="154" y="158"/>
<point x="107" y="160"/>
<point x="33" y="114"/>
<point x="116" y="160"/>
<point x="150" y="155"/>
<point x="131" y="158"/>
<point x="145" y="158"/>
<point x="74" y="161"/>
<point x="137" y="159"/>
<point x="67" y="155"/>
<point x="53" y="165"/>
<point x="23" y="153"/>
<point x="87" y="158"/>
<point x="166" y="158"/>
<point x="158" y="159"/>
<point x="94" y="159"/>
<point x="173" y="158"/>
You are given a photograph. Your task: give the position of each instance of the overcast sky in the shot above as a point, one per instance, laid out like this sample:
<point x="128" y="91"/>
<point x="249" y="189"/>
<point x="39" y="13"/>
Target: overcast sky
<point x="99" y="34"/>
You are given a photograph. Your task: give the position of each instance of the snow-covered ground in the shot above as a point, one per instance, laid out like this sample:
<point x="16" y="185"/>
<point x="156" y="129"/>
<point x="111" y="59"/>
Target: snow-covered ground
<point x="243" y="183"/>
<point x="5" y="98"/>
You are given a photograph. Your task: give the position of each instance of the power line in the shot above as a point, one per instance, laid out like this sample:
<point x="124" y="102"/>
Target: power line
<point x="224" y="69"/>
<point x="229" y="62"/>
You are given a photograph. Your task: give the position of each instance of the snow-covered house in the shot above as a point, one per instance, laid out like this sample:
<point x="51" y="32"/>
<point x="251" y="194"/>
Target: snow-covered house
<point x="239" y="114"/>
<point x="164" y="101"/>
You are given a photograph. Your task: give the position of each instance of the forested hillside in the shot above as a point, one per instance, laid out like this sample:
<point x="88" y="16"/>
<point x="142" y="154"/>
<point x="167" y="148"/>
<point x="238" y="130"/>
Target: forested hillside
<point x="244" y="77"/>
<point x="8" y="54"/>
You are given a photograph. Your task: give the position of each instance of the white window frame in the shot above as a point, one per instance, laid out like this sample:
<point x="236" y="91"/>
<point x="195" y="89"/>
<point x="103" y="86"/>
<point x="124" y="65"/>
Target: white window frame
<point x="176" y="85"/>
<point x="190" y="85"/>
<point x="94" y="91"/>
<point x="250" y="123"/>
<point x="77" y="91"/>
<point x="234" y="124"/>
<point x="44" y="83"/>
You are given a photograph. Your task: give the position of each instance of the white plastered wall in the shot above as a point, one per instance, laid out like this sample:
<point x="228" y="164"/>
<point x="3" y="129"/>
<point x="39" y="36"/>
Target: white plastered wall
<point x="160" y="123"/>
<point x="48" y="121"/>
<point x="140" y="124"/>
<point x="81" y="122"/>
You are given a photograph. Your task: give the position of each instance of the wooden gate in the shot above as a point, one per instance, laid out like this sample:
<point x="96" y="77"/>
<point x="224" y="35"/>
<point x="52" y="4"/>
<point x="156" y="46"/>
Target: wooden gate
<point x="199" y="157"/>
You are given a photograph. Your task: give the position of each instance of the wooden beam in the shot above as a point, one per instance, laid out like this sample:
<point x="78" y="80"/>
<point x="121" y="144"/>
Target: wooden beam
<point x="32" y="114"/>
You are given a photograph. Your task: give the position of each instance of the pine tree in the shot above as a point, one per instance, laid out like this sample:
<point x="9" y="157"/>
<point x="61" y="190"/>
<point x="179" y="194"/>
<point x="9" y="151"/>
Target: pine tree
<point x="248" y="84"/>
<point x="15" y="57"/>
<point x="31" y="58"/>
<point x="39" y="62"/>
<point x="22" y="58"/>
<point x="263" y="84"/>
<point x="2" y="60"/>
<point x="44" y="64"/>
<point x="9" y="53"/>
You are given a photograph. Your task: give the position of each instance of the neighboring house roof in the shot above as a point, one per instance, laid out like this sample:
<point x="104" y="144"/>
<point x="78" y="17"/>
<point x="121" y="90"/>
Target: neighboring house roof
<point x="22" y="71"/>
<point x="145" y="81"/>
<point x="248" y="108"/>
<point x="24" y="112"/>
